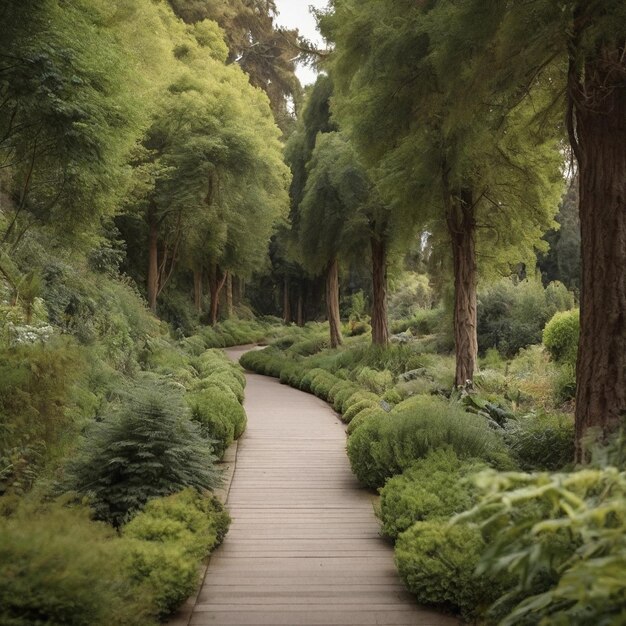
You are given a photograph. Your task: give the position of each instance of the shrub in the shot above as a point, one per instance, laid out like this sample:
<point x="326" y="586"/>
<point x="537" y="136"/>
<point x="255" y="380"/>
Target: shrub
<point x="36" y="389"/>
<point x="376" y="382"/>
<point x="374" y="412"/>
<point x="436" y="486"/>
<point x="169" y="537"/>
<point x="59" y="568"/>
<point x="560" y="336"/>
<point x="322" y="384"/>
<point x="438" y="561"/>
<point x="341" y="395"/>
<point x="221" y="417"/>
<point x="145" y="447"/>
<point x="541" y="442"/>
<point x="166" y="568"/>
<point x="512" y="316"/>
<point x="387" y="444"/>
<point x="355" y="409"/>
<point x="563" y="538"/>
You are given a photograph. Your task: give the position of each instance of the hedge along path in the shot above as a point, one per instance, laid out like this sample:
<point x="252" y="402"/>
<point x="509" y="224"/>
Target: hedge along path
<point x="303" y="547"/>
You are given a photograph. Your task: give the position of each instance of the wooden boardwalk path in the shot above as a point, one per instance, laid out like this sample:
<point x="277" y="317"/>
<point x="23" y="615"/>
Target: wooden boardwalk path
<point x="303" y="547"/>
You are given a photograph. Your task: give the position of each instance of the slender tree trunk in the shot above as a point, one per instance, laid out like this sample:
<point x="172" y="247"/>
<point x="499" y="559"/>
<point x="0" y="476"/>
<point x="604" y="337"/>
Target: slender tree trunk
<point x="300" y="307"/>
<point x="380" y="324"/>
<point x="197" y="289"/>
<point x="216" y="282"/>
<point x="462" y="230"/>
<point x="598" y="135"/>
<point x="153" y="259"/>
<point x="286" y="301"/>
<point x="332" y="303"/>
<point x="236" y="291"/>
<point x="229" y="294"/>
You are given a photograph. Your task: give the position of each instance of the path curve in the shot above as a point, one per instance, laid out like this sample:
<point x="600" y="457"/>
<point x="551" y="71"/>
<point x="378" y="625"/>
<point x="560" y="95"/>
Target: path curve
<point x="303" y="547"/>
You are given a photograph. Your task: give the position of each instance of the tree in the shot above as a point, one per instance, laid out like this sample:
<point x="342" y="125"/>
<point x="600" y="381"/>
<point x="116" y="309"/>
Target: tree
<point x="577" y="48"/>
<point x="70" y="112"/>
<point x="210" y="180"/>
<point x="481" y="179"/>
<point x="562" y="261"/>
<point x="329" y="224"/>
<point x="265" y="52"/>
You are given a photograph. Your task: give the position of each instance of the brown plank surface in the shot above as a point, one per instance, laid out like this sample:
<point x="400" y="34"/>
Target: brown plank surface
<point x="303" y="547"/>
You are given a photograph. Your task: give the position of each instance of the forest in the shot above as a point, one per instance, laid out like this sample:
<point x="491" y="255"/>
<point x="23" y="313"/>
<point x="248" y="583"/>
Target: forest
<point x="431" y="238"/>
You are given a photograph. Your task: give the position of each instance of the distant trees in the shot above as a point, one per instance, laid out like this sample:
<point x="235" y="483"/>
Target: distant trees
<point x="482" y="181"/>
<point x="460" y="109"/>
<point x="211" y="181"/>
<point x="111" y="109"/>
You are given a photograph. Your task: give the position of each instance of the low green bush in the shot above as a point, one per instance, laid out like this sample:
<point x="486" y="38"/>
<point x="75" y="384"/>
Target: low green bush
<point x="323" y="383"/>
<point x="437" y="562"/>
<point x="168" y="539"/>
<point x="220" y="415"/>
<point x="145" y="447"/>
<point x="373" y="412"/>
<point x="341" y="394"/>
<point x="164" y="567"/>
<point x="541" y="442"/>
<point x="437" y="486"/>
<point x="376" y="382"/>
<point x="355" y="409"/>
<point x="60" y="568"/>
<point x="560" y="336"/>
<point x="387" y="444"/>
<point x="563" y="539"/>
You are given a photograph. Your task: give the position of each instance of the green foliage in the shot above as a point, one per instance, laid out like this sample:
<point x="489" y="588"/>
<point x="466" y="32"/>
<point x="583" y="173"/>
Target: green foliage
<point x="220" y="415"/>
<point x="59" y="568"/>
<point x="435" y="487"/>
<point x="421" y="322"/>
<point x="386" y="444"/>
<point x="541" y="442"/>
<point x="562" y="537"/>
<point x="376" y="382"/>
<point x="437" y="562"/>
<point x="512" y="316"/>
<point x="560" y="337"/>
<point x="36" y="392"/>
<point x="167" y="540"/>
<point x="356" y="408"/>
<point x="144" y="448"/>
<point x="411" y="295"/>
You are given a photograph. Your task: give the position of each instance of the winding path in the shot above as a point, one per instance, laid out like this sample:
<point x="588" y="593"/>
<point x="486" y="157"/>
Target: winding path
<point x="303" y="547"/>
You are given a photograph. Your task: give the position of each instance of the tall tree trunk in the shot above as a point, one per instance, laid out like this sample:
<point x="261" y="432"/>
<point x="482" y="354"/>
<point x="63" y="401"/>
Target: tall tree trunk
<point x="216" y="282"/>
<point x="300" y="307"/>
<point x="153" y="259"/>
<point x="286" y="301"/>
<point x="229" y="294"/>
<point x="462" y="230"/>
<point x="332" y="303"/>
<point x="380" y="324"/>
<point x="597" y="125"/>
<point x="236" y="291"/>
<point x="197" y="289"/>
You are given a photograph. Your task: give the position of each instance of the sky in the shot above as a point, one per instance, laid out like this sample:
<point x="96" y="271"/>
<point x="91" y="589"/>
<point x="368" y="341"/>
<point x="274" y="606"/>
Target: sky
<point x="295" y="14"/>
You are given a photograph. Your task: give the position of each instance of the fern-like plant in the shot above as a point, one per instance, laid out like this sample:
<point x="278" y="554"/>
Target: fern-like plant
<point x="146" y="447"/>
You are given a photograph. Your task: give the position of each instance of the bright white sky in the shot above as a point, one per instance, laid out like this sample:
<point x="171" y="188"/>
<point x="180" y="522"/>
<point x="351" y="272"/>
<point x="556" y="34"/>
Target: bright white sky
<point x="295" y="14"/>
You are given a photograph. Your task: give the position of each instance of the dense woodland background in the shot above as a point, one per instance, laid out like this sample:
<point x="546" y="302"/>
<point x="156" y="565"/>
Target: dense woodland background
<point x="434" y="231"/>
